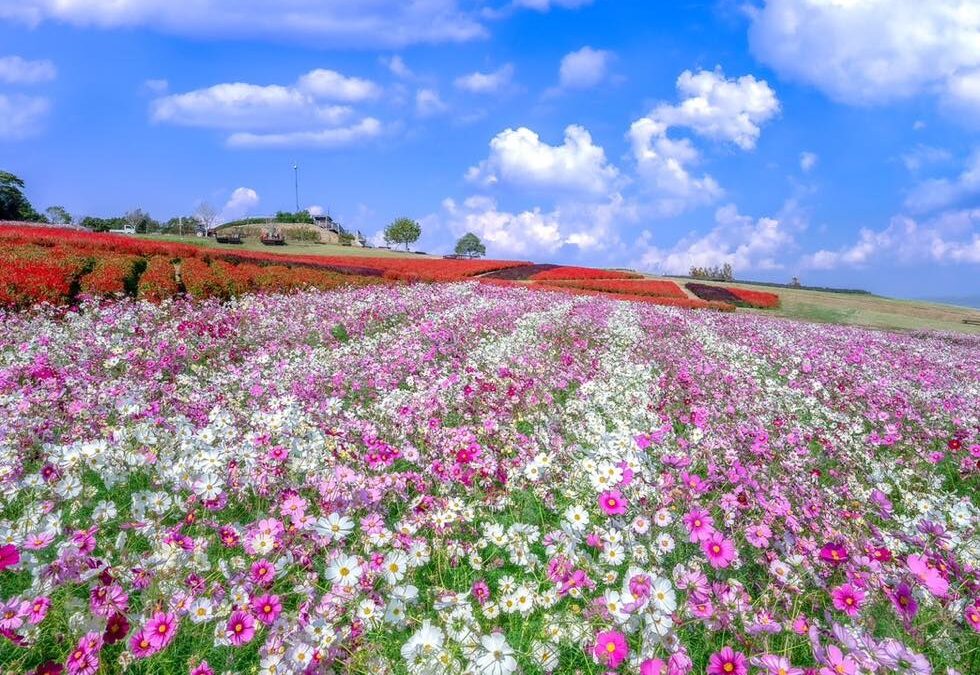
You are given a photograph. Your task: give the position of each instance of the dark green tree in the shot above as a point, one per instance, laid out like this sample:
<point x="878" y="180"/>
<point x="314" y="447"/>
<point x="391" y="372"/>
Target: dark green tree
<point x="403" y="231"/>
<point x="470" y="245"/>
<point x="13" y="203"/>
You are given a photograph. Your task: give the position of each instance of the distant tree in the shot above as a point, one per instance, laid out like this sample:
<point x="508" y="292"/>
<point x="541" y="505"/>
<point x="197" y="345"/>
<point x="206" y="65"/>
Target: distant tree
<point x="470" y="245"/>
<point x="58" y="215"/>
<point x="298" y="217"/>
<point x="13" y="204"/>
<point x="206" y="217"/>
<point x="180" y="225"/>
<point x="403" y="231"/>
<point x="102" y="224"/>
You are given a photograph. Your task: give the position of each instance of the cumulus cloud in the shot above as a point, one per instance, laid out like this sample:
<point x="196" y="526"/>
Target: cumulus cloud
<point x="330" y="23"/>
<point x="545" y="5"/>
<point x="808" y="160"/>
<point x="17" y="70"/>
<point x="520" y="158"/>
<point x="398" y="67"/>
<point x="712" y="106"/>
<point x="924" y="155"/>
<point x="242" y="201"/>
<point x="22" y="116"/>
<point x="487" y="83"/>
<point x="332" y="86"/>
<point x="323" y="139"/>
<point x="739" y="240"/>
<point x="939" y="193"/>
<point x="585" y="68"/>
<point x="429" y="103"/>
<point x="873" y="51"/>
<point x="952" y="237"/>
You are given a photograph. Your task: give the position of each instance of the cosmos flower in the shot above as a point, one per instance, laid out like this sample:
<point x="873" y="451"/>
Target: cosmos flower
<point x="727" y="662"/>
<point x="240" y="628"/>
<point x="610" y="648"/>
<point x="719" y="550"/>
<point x="612" y="503"/>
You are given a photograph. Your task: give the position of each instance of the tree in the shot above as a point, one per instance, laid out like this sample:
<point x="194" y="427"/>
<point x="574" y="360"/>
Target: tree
<point x="403" y="231"/>
<point x="206" y="217"/>
<point x="58" y="215"/>
<point x="13" y="203"/>
<point x="470" y="245"/>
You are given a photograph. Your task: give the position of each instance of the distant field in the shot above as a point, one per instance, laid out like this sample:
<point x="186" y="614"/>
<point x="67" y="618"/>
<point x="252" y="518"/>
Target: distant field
<point x="865" y="310"/>
<point x="296" y="248"/>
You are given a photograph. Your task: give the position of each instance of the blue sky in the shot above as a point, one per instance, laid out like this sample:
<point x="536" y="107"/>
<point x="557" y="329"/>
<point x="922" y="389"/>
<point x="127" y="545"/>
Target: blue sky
<point x="837" y="140"/>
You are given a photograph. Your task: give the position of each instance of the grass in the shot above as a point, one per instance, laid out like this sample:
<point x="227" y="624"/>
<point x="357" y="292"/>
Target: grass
<point x="291" y="248"/>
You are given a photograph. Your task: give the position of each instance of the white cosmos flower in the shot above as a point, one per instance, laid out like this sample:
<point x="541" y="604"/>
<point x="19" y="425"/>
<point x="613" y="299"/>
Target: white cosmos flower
<point x="496" y="657"/>
<point x="334" y="527"/>
<point x="345" y="570"/>
<point x="395" y="567"/>
<point x="662" y="595"/>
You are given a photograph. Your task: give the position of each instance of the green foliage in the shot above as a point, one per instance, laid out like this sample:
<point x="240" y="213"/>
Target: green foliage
<point x="470" y="245"/>
<point x="13" y="204"/>
<point x="58" y="215"/>
<point x="103" y="224"/>
<point x="403" y="231"/>
<point x="298" y="217"/>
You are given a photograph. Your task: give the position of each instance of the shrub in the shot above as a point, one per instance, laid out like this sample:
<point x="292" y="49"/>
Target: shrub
<point x="158" y="281"/>
<point x="759" y="299"/>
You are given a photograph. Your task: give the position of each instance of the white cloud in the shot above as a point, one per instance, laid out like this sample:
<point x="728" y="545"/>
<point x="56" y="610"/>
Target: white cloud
<point x="242" y="106"/>
<point x="545" y="5"/>
<point x="487" y="83"/>
<point x="398" y="67"/>
<point x="17" y="70"/>
<point x="739" y="240"/>
<point x="22" y="116"/>
<point x="332" y="86"/>
<point x="242" y="201"/>
<point x="952" y="237"/>
<point x="873" y="51"/>
<point x="808" y="160"/>
<point x="330" y="23"/>
<point x="324" y="139"/>
<point x="712" y="106"/>
<point x="939" y="193"/>
<point x="157" y="87"/>
<point x="518" y="157"/>
<point x="429" y="103"/>
<point x="584" y="68"/>
<point x="924" y="155"/>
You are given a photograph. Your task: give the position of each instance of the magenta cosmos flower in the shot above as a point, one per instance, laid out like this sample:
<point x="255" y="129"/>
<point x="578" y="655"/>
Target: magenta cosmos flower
<point x="161" y="629"/>
<point x="838" y="663"/>
<point x="653" y="667"/>
<point x="728" y="662"/>
<point x="9" y="556"/>
<point x="699" y="524"/>
<point x="848" y="599"/>
<point x="720" y="551"/>
<point x="928" y="576"/>
<point x="774" y="664"/>
<point x="972" y="616"/>
<point x="904" y="601"/>
<point x="612" y="503"/>
<point x="141" y="645"/>
<point x="833" y="553"/>
<point x="240" y="629"/>
<point x="610" y="648"/>
<point x="267" y="608"/>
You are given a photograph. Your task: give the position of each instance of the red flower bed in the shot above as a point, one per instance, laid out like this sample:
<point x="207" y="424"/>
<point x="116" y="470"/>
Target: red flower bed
<point x="158" y="280"/>
<point x="651" y="287"/>
<point x="576" y="273"/>
<point x="110" y="275"/>
<point x="759" y="299"/>
<point x="25" y="282"/>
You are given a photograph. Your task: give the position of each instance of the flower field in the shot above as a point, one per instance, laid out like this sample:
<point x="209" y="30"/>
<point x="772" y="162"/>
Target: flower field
<point x="478" y="478"/>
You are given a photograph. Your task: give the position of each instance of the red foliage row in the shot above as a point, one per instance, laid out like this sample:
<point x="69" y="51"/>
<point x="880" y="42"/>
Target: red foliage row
<point x="759" y="299"/>
<point x="158" y="280"/>
<point x="651" y="287"/>
<point x="578" y="273"/>
<point x="110" y="274"/>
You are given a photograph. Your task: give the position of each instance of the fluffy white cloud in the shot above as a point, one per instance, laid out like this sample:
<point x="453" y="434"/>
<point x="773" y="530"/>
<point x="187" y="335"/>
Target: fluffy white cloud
<point x="808" y="160"/>
<point x="17" y="70"/>
<point x="324" y="139"/>
<point x="332" y="86"/>
<point x="739" y="240"/>
<point x="398" y="67"/>
<point x="429" y="103"/>
<point x="22" y="116"/>
<point x="242" y="106"/>
<point x="242" y="201"/>
<point x="584" y="68"/>
<point x="952" y="237"/>
<point x="712" y="106"/>
<point x="487" y="83"/>
<point x="923" y="155"/>
<point x="873" y="51"/>
<point x="520" y="158"/>
<point x="938" y="193"/>
<point x="332" y="23"/>
<point x="545" y="5"/>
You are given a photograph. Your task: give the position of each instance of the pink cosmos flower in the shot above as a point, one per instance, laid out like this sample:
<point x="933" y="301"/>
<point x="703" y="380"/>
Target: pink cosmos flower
<point x="838" y="663"/>
<point x="610" y="648"/>
<point x="38" y="610"/>
<point x="972" y="616"/>
<point x="653" y="667"/>
<point x="84" y="659"/>
<point x="612" y="503"/>
<point x="141" y="646"/>
<point x="202" y="669"/>
<point x="833" y="553"/>
<point x="720" y="551"/>
<point x="263" y="573"/>
<point x="774" y="664"/>
<point x="728" y="662"/>
<point x="481" y="591"/>
<point x="267" y="608"/>
<point x="12" y="613"/>
<point x="699" y="524"/>
<point x="848" y="599"/>
<point x="161" y="629"/>
<point x="9" y="556"/>
<point x="904" y="602"/>
<point x="240" y="628"/>
<point x="758" y="535"/>
<point x="928" y="576"/>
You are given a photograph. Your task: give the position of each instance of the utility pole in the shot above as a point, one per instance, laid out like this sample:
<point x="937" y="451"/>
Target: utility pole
<point x="296" y="176"/>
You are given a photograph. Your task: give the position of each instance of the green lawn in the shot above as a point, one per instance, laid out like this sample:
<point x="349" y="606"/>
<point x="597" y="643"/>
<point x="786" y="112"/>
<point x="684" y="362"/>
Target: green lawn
<point x="291" y="248"/>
